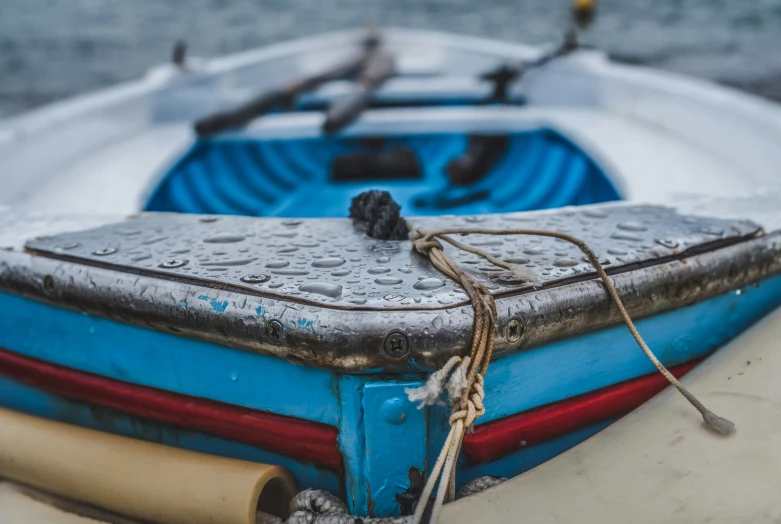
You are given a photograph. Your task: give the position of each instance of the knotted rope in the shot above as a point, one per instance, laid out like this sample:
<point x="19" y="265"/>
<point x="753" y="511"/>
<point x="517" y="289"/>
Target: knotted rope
<point x="466" y="374"/>
<point x="314" y="506"/>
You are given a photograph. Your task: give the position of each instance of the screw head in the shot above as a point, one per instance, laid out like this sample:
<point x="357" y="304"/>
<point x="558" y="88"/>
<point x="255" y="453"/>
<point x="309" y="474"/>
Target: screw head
<point x="255" y="279"/>
<point x="48" y="284"/>
<point x="172" y="264"/>
<point x="105" y="251"/>
<point x="514" y="330"/>
<point x="386" y="247"/>
<point x="396" y="344"/>
<point x="394" y="410"/>
<point x="274" y="331"/>
<point x="669" y="243"/>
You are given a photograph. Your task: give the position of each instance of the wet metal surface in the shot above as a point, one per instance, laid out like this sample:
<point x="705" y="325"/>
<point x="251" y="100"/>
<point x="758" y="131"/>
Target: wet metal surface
<point x="302" y="315"/>
<point x="332" y="263"/>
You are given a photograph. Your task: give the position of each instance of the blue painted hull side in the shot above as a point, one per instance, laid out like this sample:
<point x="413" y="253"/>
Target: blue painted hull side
<point x="164" y="361"/>
<point x="21" y="397"/>
<point x="516" y="383"/>
<point x="578" y="365"/>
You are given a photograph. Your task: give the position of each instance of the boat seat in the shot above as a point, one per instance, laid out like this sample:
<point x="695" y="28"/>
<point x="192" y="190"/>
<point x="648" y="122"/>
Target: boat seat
<point x="239" y="175"/>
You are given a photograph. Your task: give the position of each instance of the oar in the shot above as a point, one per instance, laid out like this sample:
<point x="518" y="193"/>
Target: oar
<point x="378" y="68"/>
<point x="582" y="14"/>
<point x="285" y="95"/>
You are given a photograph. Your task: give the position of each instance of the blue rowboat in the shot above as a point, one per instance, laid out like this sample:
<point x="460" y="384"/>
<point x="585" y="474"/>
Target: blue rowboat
<point x="207" y="291"/>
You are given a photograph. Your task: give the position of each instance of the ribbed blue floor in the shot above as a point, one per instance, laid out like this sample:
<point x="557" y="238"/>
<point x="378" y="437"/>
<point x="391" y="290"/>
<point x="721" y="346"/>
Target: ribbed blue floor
<point x="290" y="178"/>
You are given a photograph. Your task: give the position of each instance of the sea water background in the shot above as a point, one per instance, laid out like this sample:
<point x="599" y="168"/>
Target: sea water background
<point x="52" y="49"/>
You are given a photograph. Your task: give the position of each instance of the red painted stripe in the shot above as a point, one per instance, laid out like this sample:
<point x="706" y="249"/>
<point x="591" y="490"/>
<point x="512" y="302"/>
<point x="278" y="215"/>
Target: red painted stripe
<point x="298" y="438"/>
<point x="498" y="438"/>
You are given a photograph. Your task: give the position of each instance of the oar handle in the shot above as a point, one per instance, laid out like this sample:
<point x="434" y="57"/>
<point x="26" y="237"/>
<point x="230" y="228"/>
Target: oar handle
<point x="240" y="116"/>
<point x="282" y="96"/>
<point x="379" y="67"/>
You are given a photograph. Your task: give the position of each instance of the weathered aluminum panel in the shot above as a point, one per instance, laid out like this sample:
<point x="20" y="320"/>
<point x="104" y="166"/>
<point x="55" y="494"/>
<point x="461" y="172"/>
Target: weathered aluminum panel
<point x="333" y="263"/>
<point x="337" y="334"/>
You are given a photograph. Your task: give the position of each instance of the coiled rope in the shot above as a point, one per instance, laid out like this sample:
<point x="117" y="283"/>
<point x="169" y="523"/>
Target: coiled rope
<point x="313" y="506"/>
<point x="466" y="375"/>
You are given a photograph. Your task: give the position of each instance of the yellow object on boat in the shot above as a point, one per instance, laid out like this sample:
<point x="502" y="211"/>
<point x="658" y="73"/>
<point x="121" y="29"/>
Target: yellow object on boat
<point x="136" y="479"/>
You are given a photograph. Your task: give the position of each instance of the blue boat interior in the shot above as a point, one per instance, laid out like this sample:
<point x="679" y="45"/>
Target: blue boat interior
<point x="318" y="177"/>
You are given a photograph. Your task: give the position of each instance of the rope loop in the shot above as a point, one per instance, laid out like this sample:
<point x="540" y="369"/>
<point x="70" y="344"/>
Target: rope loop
<point x="469" y="406"/>
<point x="423" y="243"/>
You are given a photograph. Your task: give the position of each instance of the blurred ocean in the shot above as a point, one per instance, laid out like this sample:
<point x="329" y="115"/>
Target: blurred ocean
<point x="51" y="49"/>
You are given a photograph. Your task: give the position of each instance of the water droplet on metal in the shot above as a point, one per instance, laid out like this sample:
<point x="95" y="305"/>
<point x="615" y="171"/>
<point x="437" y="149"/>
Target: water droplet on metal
<point x="154" y="240"/>
<point x="490" y="242"/>
<point x="378" y="270"/>
<point x="715" y="231"/>
<point x="565" y="262"/>
<point x="340" y="272"/>
<point x="386" y="248"/>
<point x="278" y="264"/>
<point x="255" y="278"/>
<point x="534" y="251"/>
<point x="594" y="213"/>
<point x="616" y="251"/>
<point x="290" y="272"/>
<point x="429" y="283"/>
<point x="383" y="260"/>
<point x="518" y="218"/>
<point x="327" y="289"/>
<point x="231" y="263"/>
<point x="388" y="281"/>
<point x="632" y="226"/>
<point x="328" y="262"/>
<point x="626" y="236"/>
<point x="223" y="238"/>
<point x="517" y="260"/>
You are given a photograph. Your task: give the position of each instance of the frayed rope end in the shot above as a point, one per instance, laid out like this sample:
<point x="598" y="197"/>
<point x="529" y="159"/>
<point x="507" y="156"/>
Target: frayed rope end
<point x="718" y="424"/>
<point x="429" y="393"/>
<point x="525" y="275"/>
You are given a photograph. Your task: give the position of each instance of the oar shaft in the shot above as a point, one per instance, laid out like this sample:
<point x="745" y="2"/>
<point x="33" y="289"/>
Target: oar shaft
<point x="276" y="97"/>
<point x="378" y="68"/>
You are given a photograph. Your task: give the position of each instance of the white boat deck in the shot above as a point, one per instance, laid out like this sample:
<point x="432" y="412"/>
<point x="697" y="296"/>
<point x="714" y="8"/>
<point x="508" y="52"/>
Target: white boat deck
<point x="646" y="163"/>
<point x="659" y="136"/>
<point x="660" y="464"/>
